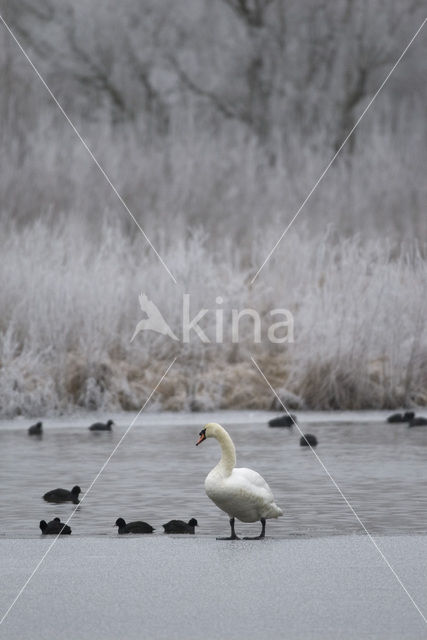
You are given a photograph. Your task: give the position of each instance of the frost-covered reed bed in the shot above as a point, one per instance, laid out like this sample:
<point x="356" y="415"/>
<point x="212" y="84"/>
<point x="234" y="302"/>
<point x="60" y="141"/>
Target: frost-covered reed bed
<point x="69" y="306"/>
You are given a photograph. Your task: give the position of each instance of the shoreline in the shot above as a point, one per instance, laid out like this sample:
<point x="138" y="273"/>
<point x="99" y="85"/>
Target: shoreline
<point x="161" y="418"/>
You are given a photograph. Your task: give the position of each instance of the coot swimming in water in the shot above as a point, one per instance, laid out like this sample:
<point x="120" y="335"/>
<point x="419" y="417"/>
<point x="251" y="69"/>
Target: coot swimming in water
<point x="282" y="421"/>
<point x="308" y="440"/>
<point x="35" y="429"/>
<point x="179" y="526"/>
<point x="418" y="422"/>
<point x="54" y="527"/>
<point x="401" y="417"/>
<point x="133" y="527"/>
<point x="100" y="426"/>
<point x="62" y="495"/>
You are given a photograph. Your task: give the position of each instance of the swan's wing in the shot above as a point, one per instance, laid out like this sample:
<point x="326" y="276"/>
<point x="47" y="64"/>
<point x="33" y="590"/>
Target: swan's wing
<point x="250" y="479"/>
<point x="252" y="498"/>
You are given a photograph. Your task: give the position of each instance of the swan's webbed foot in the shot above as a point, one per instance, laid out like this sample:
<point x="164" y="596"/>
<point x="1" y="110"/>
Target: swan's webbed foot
<point x="233" y="533"/>
<point x="261" y="535"/>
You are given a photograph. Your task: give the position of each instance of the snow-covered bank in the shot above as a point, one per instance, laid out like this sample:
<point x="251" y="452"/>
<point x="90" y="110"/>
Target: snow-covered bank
<point x="70" y="306"/>
<point x="156" y="587"/>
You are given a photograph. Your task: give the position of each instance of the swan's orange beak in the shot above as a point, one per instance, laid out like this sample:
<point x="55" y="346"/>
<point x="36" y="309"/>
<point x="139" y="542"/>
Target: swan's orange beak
<point x="202" y="435"/>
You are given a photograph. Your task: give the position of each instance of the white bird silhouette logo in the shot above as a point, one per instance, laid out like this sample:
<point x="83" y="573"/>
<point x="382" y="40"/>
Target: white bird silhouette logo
<point x="154" y="320"/>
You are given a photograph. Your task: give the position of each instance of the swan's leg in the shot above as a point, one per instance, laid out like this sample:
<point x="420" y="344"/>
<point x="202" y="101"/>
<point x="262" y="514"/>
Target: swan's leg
<point x="262" y="534"/>
<point x="233" y="533"/>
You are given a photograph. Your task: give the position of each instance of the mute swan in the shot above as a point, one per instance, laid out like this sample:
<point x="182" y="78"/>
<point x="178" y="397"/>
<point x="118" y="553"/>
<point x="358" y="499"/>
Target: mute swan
<point x="133" y="527"/>
<point x="241" y="493"/>
<point x="100" y="426"/>
<point x="179" y="526"/>
<point x="54" y="527"/>
<point x="62" y="495"/>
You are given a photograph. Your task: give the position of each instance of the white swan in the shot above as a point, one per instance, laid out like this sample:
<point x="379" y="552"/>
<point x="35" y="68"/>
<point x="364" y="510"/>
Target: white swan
<point x="242" y="493"/>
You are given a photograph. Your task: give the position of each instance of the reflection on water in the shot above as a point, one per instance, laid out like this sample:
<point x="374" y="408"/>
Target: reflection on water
<point x="158" y="474"/>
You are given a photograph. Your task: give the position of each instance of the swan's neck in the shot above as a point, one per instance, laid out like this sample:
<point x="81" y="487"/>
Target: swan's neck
<point x="228" y="457"/>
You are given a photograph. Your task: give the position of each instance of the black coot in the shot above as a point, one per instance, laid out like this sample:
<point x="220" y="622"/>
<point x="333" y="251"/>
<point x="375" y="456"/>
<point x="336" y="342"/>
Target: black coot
<point x="133" y="527"/>
<point x="418" y="422"/>
<point x="62" y="495"/>
<point x="54" y="527"/>
<point x="179" y="526"/>
<point x="35" y="429"/>
<point x="308" y="440"/>
<point x="283" y="421"/>
<point x="101" y="426"/>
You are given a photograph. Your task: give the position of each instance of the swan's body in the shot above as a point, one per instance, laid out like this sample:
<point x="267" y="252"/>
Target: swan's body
<point x="242" y="493"/>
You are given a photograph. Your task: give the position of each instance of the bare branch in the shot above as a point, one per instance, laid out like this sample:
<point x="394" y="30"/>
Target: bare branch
<point x="221" y="106"/>
<point x="253" y="13"/>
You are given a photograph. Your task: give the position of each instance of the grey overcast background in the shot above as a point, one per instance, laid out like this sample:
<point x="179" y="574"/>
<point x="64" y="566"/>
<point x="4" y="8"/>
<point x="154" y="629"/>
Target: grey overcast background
<point x="213" y="119"/>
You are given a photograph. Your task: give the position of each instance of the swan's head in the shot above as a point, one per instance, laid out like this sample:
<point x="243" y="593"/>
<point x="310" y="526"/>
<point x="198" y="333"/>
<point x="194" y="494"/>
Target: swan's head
<point x="210" y="431"/>
<point x="193" y="522"/>
<point x="120" y="523"/>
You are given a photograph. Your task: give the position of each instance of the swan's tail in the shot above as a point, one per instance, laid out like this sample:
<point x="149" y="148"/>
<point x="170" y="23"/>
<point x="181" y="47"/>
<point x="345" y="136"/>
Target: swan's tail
<point x="274" y="511"/>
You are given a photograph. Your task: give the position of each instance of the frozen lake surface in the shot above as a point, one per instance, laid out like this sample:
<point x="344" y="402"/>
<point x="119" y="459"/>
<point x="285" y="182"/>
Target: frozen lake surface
<point x="196" y="588"/>
<point x="158" y="473"/>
